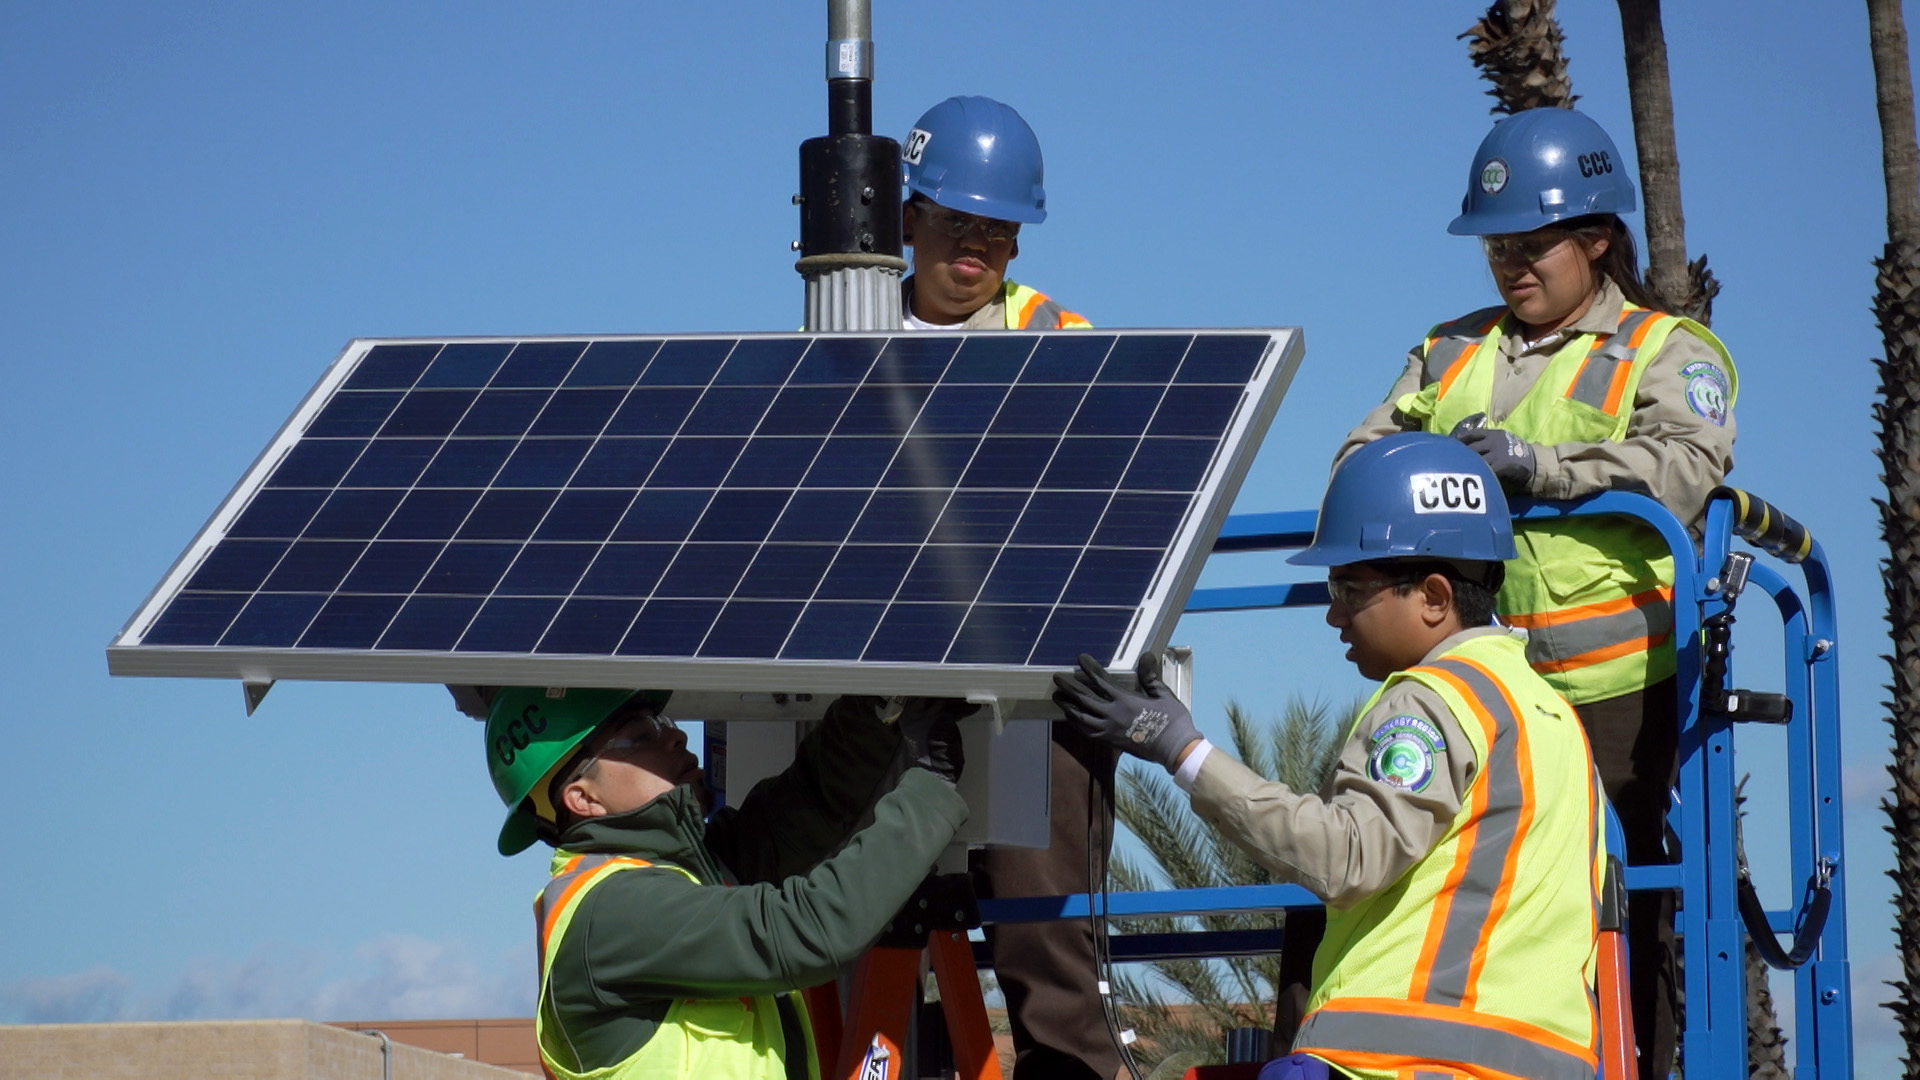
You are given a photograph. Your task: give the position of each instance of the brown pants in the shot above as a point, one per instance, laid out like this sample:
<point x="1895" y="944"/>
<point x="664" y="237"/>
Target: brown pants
<point x="1046" y="969"/>
<point x="1636" y="746"/>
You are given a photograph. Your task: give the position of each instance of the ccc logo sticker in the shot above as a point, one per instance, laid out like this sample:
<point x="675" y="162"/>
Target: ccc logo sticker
<point x="1598" y="163"/>
<point x="519" y="733"/>
<point x="1448" y="493"/>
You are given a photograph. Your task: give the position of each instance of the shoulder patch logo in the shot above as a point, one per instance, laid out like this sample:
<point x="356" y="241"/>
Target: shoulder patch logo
<point x="1401" y="753"/>
<point x="1707" y="391"/>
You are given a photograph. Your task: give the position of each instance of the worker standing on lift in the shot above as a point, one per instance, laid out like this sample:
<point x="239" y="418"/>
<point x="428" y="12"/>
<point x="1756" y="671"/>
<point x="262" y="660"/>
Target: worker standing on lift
<point x="974" y="176"/>
<point x="1457" y="841"/>
<point x="1573" y="386"/>
<point x="669" y="943"/>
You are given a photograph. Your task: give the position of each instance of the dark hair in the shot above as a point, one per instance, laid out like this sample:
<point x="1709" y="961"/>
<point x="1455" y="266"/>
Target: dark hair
<point x="1475" y="583"/>
<point x="1621" y="261"/>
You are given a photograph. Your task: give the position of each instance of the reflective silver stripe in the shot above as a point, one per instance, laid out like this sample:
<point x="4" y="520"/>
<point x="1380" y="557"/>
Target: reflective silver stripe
<point x="1565" y="640"/>
<point x="1431" y="1039"/>
<point x="1596" y="376"/>
<point x="1044" y="316"/>
<point x="1450" y="340"/>
<point x="1471" y="905"/>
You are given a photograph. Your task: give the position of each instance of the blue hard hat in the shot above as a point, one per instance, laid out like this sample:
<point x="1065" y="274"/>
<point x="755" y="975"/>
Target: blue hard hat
<point x="977" y="156"/>
<point x="1411" y="495"/>
<point x="1538" y="167"/>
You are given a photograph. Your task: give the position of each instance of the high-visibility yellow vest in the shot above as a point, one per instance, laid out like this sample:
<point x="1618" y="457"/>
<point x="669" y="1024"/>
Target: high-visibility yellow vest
<point x="1032" y="309"/>
<point x="726" y="1038"/>
<point x="1594" y="594"/>
<point x="1479" y="961"/>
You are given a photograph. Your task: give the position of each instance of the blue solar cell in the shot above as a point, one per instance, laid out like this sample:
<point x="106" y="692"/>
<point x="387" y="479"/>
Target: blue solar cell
<point x="195" y="619"/>
<point x="777" y="462"/>
<point x="1029" y="574"/>
<point x="806" y="410"/>
<point x="1060" y="517"/>
<point x="786" y="571"/>
<point x="951" y="572"/>
<point x="430" y="514"/>
<point x="509" y="624"/>
<point x="273" y="620"/>
<point x="467" y="463"/>
<point x="577" y="412"/>
<point x="619" y="463"/>
<point x="1146" y="521"/>
<point x="867" y="572"/>
<point x="837" y="360"/>
<point x="750" y="628"/>
<point x="998" y="634"/>
<point x="1202" y="411"/>
<point x="1088" y="463"/>
<point x="1067" y="358"/>
<point x="761" y="362"/>
<point x="542" y="462"/>
<point x="914" y="358"/>
<point x="670" y="628"/>
<point x="899" y="517"/>
<point x="988" y="358"/>
<point x="1116" y="576"/>
<point x="705" y="570"/>
<point x="238" y="565"/>
<point x="729" y="410"/>
<point x="313" y="566"/>
<point x="390" y="367"/>
<point x="547" y="570"/>
<point x="429" y="413"/>
<point x="882" y="410"/>
<point x="980" y="517"/>
<point x="391" y="566"/>
<point x="1145" y="358"/>
<point x="1223" y="358"/>
<point x="585" y="515"/>
<point x="959" y="410"/>
<point x="589" y="626"/>
<point x="820" y="515"/>
<point x="354" y="515"/>
<point x="686" y="362"/>
<point x="316" y="463"/>
<point x="626" y="570"/>
<point x="539" y="363"/>
<point x="833" y="631"/>
<point x="468" y="569"/>
<point x="277" y="514"/>
<point x="1169" y="464"/>
<point x="701" y="462"/>
<point x="502" y="412"/>
<point x="1116" y="410"/>
<point x="916" y="632"/>
<point x="391" y="463"/>
<point x="351" y="622"/>
<point x="744" y="515"/>
<point x="851" y="462"/>
<point x="653" y="411"/>
<point x="353" y="413"/>
<point x="659" y="514"/>
<point x="1038" y="410"/>
<point x="612" y="363"/>
<point x="430" y="623"/>
<point x="1011" y="462"/>
<point x="507" y="514"/>
<point x="925" y="462"/>
<point x="468" y="364"/>
<point x="1074" y="630"/>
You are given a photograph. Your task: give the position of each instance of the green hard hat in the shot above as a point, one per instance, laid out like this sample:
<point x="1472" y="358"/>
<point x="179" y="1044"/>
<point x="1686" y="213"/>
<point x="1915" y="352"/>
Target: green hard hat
<point x="531" y="730"/>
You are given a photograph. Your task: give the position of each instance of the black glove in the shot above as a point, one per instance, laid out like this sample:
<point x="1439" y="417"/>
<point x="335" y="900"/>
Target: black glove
<point x="1148" y="723"/>
<point x="932" y="730"/>
<point x="1508" y="455"/>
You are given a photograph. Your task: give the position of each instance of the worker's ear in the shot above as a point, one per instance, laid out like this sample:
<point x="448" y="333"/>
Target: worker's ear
<point x="1014" y="252"/>
<point x="907" y="215"/>
<point x="578" y="799"/>
<point x="1436" y="599"/>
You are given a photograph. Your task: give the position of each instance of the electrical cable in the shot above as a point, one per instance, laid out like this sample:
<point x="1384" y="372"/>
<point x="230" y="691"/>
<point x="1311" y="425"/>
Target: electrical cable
<point x="1097" y="875"/>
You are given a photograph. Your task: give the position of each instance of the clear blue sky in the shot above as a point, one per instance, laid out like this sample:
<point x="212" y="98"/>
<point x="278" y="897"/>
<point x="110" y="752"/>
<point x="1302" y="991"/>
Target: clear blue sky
<point x="204" y="202"/>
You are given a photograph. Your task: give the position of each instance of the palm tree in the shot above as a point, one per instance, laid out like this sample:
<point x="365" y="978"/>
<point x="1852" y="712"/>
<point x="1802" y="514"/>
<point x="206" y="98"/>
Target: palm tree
<point x="1298" y="749"/>
<point x="1516" y="46"/>
<point x="1896" y="305"/>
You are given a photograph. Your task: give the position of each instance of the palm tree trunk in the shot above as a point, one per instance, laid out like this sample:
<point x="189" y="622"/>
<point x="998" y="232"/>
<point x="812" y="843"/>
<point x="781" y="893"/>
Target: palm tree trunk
<point x="1896" y="305"/>
<point x="1683" y="288"/>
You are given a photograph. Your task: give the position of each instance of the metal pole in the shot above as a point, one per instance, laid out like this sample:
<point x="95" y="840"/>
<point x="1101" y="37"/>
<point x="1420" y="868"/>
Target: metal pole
<point x="850" y="247"/>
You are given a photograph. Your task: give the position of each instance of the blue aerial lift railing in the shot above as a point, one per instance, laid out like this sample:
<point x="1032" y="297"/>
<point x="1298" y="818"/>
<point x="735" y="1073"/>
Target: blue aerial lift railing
<point x="1708" y="877"/>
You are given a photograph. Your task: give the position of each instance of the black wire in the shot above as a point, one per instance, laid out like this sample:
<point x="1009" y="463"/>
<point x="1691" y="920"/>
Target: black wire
<point x="1097" y="874"/>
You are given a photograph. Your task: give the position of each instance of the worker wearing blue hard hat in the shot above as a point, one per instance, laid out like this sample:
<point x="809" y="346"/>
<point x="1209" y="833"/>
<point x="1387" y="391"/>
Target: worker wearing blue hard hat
<point x="974" y="177"/>
<point x="671" y="942"/>
<point x="1456" y="842"/>
<point x="1576" y="384"/>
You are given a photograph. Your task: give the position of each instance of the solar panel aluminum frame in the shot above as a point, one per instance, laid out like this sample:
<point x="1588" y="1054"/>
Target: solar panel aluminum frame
<point x="713" y="688"/>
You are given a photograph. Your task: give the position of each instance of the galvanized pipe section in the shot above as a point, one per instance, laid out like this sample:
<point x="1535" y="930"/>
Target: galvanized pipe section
<point x="854" y="298"/>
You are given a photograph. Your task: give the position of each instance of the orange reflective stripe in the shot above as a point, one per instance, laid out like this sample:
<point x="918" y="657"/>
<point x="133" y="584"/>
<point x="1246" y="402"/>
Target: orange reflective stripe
<point x="1462" y="859"/>
<point x="1504" y="1024"/>
<point x="1509" y="870"/>
<point x="1026" y="309"/>
<point x="1601" y="609"/>
<point x="1603" y="654"/>
<point x="573" y="889"/>
<point x="1466" y="355"/>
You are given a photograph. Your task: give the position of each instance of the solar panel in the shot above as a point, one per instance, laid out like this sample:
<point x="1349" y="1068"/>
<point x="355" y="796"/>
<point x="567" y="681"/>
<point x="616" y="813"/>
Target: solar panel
<point x="754" y="515"/>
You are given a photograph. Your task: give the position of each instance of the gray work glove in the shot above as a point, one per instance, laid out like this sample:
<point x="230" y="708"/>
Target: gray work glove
<point x="931" y="727"/>
<point x="1148" y="723"/>
<point x="1508" y="455"/>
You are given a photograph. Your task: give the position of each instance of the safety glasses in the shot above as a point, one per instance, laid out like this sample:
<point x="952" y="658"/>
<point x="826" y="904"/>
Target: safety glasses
<point x="956" y="225"/>
<point x="1356" y="593"/>
<point x="1523" y="249"/>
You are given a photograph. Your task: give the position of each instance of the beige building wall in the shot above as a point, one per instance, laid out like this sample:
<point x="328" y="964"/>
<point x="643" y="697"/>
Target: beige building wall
<point x="220" y="1050"/>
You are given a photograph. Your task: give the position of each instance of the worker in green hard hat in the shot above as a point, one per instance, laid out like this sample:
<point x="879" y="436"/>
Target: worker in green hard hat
<point x="671" y="943"/>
